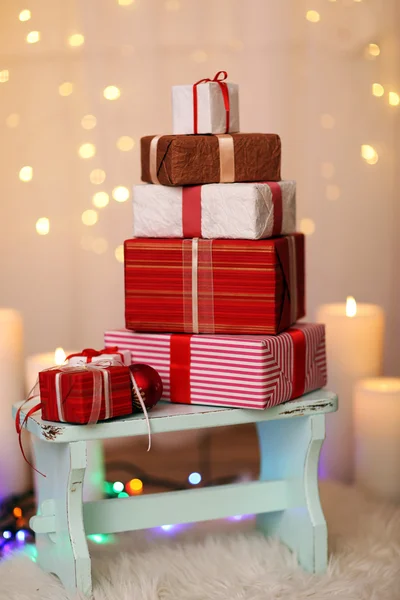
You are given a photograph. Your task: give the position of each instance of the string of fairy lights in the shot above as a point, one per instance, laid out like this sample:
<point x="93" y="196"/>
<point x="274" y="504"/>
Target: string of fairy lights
<point x="15" y="511"/>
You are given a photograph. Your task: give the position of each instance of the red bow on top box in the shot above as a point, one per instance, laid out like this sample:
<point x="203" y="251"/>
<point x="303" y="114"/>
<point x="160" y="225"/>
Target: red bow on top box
<point x="214" y="286"/>
<point x="208" y="106"/>
<point x="248" y="371"/>
<point x="86" y="393"/>
<point x="107" y="356"/>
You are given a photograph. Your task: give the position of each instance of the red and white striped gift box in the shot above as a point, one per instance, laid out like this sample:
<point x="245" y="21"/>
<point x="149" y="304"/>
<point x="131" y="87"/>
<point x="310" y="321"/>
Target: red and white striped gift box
<point x="247" y="371"/>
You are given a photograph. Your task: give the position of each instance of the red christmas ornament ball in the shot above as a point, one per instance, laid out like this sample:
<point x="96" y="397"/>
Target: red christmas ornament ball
<point x="149" y="384"/>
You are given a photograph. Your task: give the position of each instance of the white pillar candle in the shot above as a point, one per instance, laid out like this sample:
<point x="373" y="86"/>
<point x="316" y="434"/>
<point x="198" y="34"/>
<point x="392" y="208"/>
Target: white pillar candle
<point x="14" y="472"/>
<point x="39" y="362"/>
<point x="377" y="436"/>
<point x="354" y="338"/>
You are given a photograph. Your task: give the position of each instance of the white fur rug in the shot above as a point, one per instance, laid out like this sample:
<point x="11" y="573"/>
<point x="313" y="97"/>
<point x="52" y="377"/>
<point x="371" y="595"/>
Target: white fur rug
<point x="229" y="561"/>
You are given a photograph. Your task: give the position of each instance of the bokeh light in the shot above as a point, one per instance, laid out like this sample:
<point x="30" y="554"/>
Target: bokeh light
<point x="377" y="89"/>
<point x="66" y="88"/>
<point x="33" y="37"/>
<point x="24" y="15"/>
<point x="135" y="486"/>
<point x="43" y="226"/>
<point x="119" y="253"/>
<point x="13" y="120"/>
<point x="194" y="478"/>
<point x="125" y="2"/>
<point x="111" y="92"/>
<point x="307" y="226"/>
<point x="89" y="217"/>
<point x="125" y="143"/>
<point x="87" y="150"/>
<point x="77" y="39"/>
<point x="372" y="51"/>
<point x="89" y="122"/>
<point x="120" y="193"/>
<point x="4" y="75"/>
<point x="100" y="199"/>
<point x="313" y="16"/>
<point x="394" y="99"/>
<point x="118" y="486"/>
<point x="26" y="173"/>
<point x="369" y="154"/>
<point x="97" y="176"/>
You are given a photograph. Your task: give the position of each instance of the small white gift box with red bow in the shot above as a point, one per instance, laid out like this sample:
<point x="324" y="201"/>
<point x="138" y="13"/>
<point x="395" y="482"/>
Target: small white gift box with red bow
<point x="208" y="106"/>
<point x="110" y="356"/>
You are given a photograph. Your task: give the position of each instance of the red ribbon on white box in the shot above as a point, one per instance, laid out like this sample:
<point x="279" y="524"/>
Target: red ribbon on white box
<point x="191" y="209"/>
<point x="219" y="78"/>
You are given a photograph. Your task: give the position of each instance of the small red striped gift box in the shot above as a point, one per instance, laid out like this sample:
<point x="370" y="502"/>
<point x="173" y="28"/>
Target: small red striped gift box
<point x="85" y="394"/>
<point x="214" y="286"/>
<point x="247" y="371"/>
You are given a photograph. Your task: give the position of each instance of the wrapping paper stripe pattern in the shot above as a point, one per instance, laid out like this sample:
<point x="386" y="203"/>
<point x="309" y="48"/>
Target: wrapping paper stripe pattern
<point x="252" y="286"/>
<point x="250" y="371"/>
<point x="77" y="395"/>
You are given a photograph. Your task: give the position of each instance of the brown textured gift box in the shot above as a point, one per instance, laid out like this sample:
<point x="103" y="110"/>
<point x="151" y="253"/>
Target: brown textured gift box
<point x="195" y="159"/>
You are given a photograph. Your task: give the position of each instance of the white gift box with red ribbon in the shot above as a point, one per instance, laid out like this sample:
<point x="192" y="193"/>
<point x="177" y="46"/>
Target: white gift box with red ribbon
<point x="250" y="211"/>
<point x="208" y="106"/>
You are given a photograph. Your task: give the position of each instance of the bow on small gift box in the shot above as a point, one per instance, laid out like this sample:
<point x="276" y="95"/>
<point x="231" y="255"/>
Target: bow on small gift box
<point x="89" y="392"/>
<point x="211" y="108"/>
<point x="220" y="79"/>
<point x="110" y="353"/>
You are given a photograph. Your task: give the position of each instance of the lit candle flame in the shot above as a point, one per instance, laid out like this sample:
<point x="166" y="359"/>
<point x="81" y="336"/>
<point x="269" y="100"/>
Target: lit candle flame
<point x="59" y="356"/>
<point x="351" y="307"/>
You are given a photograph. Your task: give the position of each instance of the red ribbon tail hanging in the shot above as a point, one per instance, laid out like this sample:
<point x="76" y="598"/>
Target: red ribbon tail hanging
<point x="20" y="427"/>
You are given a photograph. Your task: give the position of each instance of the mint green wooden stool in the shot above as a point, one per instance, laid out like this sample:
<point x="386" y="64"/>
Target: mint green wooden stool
<point x="285" y="498"/>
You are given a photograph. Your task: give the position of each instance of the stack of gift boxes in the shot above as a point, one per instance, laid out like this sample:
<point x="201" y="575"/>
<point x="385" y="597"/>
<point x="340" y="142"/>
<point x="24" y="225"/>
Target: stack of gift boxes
<point x="214" y="275"/>
<point x="214" y="278"/>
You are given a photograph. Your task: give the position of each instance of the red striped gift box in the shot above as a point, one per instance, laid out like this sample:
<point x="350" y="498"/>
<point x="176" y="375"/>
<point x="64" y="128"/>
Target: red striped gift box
<point x="214" y="286"/>
<point x="247" y="371"/>
<point x="67" y="394"/>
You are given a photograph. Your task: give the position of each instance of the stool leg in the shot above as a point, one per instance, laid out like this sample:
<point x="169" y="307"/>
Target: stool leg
<point x="289" y="450"/>
<point x="60" y="536"/>
<point x="93" y="486"/>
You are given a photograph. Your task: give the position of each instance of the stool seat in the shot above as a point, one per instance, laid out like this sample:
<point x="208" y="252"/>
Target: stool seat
<point x="285" y="499"/>
<point x="166" y="416"/>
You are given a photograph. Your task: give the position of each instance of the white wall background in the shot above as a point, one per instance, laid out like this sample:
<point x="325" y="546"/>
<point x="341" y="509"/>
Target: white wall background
<point x="309" y="82"/>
